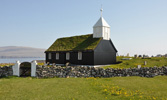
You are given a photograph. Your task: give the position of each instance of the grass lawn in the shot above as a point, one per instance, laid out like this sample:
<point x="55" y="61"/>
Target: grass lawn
<point x="116" y="88"/>
<point x="153" y="61"/>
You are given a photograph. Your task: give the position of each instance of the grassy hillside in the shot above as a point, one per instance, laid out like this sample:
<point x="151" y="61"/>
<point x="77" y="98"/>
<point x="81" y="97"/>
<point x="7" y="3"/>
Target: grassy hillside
<point x="117" y="88"/>
<point x="151" y="62"/>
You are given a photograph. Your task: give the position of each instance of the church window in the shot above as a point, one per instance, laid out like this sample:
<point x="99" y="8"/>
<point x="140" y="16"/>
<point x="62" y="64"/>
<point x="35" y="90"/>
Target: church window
<point x="67" y="56"/>
<point x="79" y="55"/>
<point x="57" y="56"/>
<point x="49" y="56"/>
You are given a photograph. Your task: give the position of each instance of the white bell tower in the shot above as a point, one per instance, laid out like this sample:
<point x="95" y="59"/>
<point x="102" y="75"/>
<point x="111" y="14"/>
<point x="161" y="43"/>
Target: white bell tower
<point x="101" y="29"/>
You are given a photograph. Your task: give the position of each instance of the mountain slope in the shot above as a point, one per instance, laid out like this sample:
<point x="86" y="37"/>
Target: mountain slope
<point x="18" y="51"/>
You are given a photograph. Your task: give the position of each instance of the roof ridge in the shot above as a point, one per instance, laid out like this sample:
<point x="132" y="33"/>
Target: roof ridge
<point x="75" y="36"/>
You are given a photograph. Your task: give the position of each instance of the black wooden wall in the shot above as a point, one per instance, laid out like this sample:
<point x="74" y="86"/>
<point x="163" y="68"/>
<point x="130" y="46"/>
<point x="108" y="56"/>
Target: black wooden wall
<point x="53" y="59"/>
<point x="87" y="58"/>
<point x="105" y="53"/>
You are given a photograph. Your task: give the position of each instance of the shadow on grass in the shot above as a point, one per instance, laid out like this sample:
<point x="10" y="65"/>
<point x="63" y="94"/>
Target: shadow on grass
<point x="118" y="62"/>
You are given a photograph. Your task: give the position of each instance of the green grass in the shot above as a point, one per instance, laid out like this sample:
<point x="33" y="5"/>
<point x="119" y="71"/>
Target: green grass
<point x="83" y="42"/>
<point x="6" y="64"/>
<point x="10" y="64"/>
<point x="116" y="88"/>
<point x="151" y="62"/>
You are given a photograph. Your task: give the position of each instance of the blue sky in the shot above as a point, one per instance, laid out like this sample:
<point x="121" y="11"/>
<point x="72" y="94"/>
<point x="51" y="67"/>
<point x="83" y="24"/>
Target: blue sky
<point x="137" y="26"/>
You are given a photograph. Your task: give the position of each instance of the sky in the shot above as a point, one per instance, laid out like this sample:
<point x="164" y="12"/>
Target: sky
<point x="137" y="26"/>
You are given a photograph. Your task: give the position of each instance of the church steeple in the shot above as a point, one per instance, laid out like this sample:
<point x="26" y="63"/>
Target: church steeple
<point x="101" y="28"/>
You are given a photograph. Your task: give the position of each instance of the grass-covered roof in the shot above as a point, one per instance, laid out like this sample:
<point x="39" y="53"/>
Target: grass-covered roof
<point x="83" y="42"/>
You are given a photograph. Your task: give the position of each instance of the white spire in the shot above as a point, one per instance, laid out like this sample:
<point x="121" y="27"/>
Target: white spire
<point x="101" y="28"/>
<point x="101" y="22"/>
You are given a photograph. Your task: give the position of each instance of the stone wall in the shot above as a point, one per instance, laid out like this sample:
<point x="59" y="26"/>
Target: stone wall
<point x="77" y="71"/>
<point x="57" y="71"/>
<point x="6" y="71"/>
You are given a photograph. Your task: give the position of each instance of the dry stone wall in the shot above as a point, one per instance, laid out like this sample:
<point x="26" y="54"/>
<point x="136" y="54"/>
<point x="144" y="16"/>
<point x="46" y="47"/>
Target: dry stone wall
<point x="77" y="71"/>
<point x="6" y="71"/>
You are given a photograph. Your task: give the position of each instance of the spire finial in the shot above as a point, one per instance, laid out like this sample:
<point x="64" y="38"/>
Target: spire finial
<point x="101" y="10"/>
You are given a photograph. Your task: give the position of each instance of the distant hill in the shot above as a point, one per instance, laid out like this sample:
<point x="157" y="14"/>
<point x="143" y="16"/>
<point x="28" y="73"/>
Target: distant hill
<point x="18" y="51"/>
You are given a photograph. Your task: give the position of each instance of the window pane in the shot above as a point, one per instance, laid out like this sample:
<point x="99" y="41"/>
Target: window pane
<point x="49" y="56"/>
<point x="57" y="56"/>
<point x="67" y="56"/>
<point x="79" y="55"/>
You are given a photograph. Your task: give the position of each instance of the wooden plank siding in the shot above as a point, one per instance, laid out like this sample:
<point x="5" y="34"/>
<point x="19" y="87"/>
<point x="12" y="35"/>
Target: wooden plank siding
<point x="104" y="53"/>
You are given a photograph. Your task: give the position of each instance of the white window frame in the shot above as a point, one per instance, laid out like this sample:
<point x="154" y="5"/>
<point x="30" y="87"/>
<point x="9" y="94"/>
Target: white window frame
<point x="67" y="56"/>
<point x="49" y="56"/>
<point x="57" y="56"/>
<point x="79" y="55"/>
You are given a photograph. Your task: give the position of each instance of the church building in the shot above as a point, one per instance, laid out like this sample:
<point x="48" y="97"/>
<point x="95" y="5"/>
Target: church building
<point x="90" y="49"/>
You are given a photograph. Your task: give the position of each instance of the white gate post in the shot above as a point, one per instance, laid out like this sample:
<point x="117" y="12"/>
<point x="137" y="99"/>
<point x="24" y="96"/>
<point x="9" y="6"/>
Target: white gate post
<point x="33" y="68"/>
<point x="16" y="69"/>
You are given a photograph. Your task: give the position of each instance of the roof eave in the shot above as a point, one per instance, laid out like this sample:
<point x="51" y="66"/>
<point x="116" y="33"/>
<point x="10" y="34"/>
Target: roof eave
<point x="71" y="51"/>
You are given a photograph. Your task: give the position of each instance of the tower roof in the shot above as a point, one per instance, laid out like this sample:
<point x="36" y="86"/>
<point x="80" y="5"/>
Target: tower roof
<point x="101" y="22"/>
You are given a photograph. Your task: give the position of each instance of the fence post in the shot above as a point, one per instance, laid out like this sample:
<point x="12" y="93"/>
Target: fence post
<point x="33" y="68"/>
<point x="16" y="68"/>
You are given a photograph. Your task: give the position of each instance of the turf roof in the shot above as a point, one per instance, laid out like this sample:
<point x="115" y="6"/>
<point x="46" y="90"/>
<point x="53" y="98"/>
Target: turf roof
<point x="83" y="42"/>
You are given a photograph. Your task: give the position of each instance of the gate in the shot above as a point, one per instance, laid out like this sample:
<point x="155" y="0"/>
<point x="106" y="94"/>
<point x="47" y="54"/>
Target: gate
<point x="25" y="69"/>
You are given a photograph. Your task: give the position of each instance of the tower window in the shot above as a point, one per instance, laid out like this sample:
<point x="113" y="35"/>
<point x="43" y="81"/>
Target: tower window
<point x="67" y="56"/>
<point x="79" y="55"/>
<point x="57" y="56"/>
